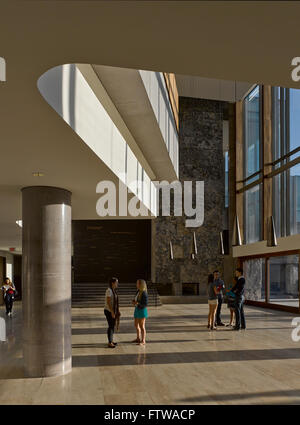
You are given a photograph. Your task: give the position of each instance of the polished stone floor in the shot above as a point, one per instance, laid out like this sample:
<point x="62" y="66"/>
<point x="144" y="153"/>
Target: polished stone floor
<point x="182" y="363"/>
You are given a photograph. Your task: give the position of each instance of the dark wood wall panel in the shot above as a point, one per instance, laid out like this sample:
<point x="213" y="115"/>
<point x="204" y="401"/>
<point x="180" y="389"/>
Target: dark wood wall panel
<point x="106" y="248"/>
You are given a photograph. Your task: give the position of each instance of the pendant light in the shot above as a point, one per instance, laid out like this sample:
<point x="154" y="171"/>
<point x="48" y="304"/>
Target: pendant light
<point x="171" y="251"/>
<point x="236" y="236"/>
<point x="194" y="247"/>
<point x="271" y="232"/>
<point x="221" y="244"/>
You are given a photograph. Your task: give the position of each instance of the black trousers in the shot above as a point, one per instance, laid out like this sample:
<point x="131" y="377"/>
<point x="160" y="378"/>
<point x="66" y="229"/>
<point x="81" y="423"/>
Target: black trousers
<point x="240" y="321"/>
<point x="218" y="313"/>
<point x="9" y="299"/>
<point x="111" y="326"/>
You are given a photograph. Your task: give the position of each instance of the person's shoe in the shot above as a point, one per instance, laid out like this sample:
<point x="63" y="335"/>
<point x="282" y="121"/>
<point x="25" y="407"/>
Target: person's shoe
<point x="111" y="345"/>
<point x="213" y="328"/>
<point x="115" y="344"/>
<point x="236" y="329"/>
<point x="221" y="324"/>
<point x="243" y="327"/>
<point x="137" y="340"/>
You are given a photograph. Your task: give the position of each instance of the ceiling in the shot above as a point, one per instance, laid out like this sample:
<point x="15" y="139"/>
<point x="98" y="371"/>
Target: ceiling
<point x="210" y="88"/>
<point x="251" y="41"/>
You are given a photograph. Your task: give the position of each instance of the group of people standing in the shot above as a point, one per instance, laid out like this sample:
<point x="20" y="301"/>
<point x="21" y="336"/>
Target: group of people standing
<point x="215" y="289"/>
<point x="9" y="293"/>
<point x="112" y="311"/>
<point x="235" y="300"/>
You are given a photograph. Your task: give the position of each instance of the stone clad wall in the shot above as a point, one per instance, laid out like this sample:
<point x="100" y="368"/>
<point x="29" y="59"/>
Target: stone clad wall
<point x="200" y="158"/>
<point x="254" y="272"/>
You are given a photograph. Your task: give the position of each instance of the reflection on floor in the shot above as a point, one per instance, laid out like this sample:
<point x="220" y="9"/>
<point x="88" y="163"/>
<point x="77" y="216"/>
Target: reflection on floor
<point x="182" y="362"/>
<point x="291" y="302"/>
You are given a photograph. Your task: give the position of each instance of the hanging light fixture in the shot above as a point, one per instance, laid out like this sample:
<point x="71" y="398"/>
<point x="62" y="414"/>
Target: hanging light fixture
<point x="171" y="251"/>
<point x="221" y="242"/>
<point x="236" y="236"/>
<point x="194" y="247"/>
<point x="271" y="232"/>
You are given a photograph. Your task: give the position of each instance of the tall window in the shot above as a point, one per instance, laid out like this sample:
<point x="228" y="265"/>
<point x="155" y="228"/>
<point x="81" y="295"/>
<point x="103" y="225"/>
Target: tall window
<point x="252" y="165"/>
<point x="293" y="206"/>
<point x="252" y="215"/>
<point x="294" y="121"/>
<point x="252" y="114"/>
<point x="278" y="207"/>
<point x="284" y="280"/>
<point x="278" y="110"/>
<point x="286" y="148"/>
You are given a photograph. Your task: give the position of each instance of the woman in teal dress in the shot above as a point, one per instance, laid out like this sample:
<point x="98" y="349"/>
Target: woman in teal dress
<point x="140" y="312"/>
<point x="230" y="303"/>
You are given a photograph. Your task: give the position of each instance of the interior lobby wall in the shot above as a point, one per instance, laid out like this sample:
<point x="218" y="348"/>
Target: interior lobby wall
<point x="106" y="248"/>
<point x="200" y="159"/>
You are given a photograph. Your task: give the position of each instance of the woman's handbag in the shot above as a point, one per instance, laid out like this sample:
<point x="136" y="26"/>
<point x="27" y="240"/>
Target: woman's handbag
<point x="230" y="299"/>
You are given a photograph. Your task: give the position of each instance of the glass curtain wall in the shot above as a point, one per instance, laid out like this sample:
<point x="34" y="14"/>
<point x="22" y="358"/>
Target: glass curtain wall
<point x="284" y="280"/>
<point x="279" y="274"/>
<point x="286" y="139"/>
<point x="272" y="279"/>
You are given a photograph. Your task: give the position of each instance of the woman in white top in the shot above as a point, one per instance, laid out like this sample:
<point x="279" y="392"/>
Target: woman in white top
<point x="111" y="310"/>
<point x="9" y="295"/>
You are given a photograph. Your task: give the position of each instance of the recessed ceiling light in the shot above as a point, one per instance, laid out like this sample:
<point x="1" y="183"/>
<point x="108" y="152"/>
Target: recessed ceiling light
<point x="37" y="174"/>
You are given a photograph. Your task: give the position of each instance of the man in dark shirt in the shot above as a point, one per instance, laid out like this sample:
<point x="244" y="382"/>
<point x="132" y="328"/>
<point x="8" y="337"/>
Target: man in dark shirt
<point x="238" y="289"/>
<point x="219" y="284"/>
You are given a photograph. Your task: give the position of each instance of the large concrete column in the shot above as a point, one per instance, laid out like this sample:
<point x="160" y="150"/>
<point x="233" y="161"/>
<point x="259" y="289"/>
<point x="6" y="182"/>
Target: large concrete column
<point x="46" y="281"/>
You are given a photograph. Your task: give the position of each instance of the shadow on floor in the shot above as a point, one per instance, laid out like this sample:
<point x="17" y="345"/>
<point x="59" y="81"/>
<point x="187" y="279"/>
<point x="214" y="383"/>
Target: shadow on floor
<point x="150" y="329"/>
<point x="91" y="345"/>
<point x="166" y="329"/>
<point x="238" y="397"/>
<point x="216" y="340"/>
<point x="13" y="372"/>
<point x="185" y="357"/>
<point x="95" y="318"/>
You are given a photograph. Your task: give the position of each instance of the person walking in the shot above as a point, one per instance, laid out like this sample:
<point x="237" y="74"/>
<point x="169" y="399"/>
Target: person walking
<point x="111" y="310"/>
<point x="220" y="287"/>
<point x="212" y="293"/>
<point x="140" y="312"/>
<point x="238" y="290"/>
<point x="9" y="295"/>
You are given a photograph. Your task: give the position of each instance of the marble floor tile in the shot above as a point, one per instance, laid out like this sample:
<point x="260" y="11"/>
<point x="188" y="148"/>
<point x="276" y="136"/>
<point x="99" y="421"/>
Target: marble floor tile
<point x="182" y="363"/>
